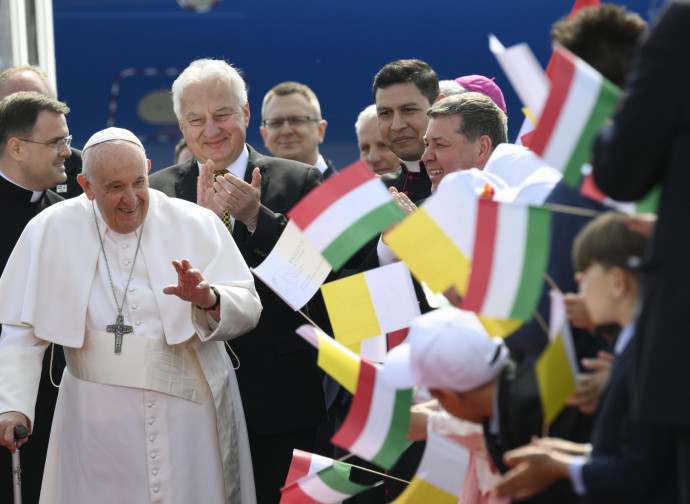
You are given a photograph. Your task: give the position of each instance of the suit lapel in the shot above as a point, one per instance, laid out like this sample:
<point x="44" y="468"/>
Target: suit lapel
<point x="185" y="187"/>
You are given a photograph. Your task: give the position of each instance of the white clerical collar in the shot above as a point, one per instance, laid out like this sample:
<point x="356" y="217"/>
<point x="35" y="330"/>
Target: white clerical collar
<point x="321" y="164"/>
<point x="624" y="337"/>
<point x="34" y="197"/>
<point x="412" y="166"/>
<point x="237" y="167"/>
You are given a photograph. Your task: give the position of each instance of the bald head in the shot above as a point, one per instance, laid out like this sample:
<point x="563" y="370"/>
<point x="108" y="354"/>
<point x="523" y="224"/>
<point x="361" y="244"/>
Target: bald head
<point x="25" y="78"/>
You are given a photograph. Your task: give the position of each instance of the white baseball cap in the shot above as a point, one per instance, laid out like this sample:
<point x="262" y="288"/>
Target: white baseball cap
<point x="446" y="348"/>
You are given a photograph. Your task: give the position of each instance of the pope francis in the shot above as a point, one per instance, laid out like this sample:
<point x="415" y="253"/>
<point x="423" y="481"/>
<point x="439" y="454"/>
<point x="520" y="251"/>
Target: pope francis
<point x="141" y="290"/>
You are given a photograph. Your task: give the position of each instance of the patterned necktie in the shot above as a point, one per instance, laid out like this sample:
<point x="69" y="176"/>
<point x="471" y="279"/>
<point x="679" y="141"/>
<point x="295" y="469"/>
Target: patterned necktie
<point x="226" y="214"/>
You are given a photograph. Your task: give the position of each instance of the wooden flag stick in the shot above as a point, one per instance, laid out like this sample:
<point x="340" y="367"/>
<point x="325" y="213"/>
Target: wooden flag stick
<point x="545" y="429"/>
<point x="380" y="474"/>
<point x="310" y="320"/>
<point x="551" y="282"/>
<point x="345" y="457"/>
<point x="572" y="210"/>
<point x="541" y="322"/>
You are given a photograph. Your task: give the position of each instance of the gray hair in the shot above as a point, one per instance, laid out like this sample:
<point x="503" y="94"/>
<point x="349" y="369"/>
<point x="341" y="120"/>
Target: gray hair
<point x="364" y="116"/>
<point x="451" y="88"/>
<point x="207" y="69"/>
<point x="479" y="116"/>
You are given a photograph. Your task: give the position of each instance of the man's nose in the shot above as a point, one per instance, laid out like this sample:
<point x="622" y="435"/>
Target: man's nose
<point x="398" y="122"/>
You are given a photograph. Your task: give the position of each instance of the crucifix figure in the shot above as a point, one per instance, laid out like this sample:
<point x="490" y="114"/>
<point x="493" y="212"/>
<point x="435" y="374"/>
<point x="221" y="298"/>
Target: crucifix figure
<point x="119" y="328"/>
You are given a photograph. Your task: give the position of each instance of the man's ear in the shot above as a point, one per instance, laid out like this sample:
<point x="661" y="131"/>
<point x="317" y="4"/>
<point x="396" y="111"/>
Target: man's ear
<point x="15" y="148"/>
<point x="619" y="281"/>
<point x="322" y="125"/>
<point x="148" y="165"/>
<point x="484" y="150"/>
<point x="440" y="97"/>
<point x="86" y="185"/>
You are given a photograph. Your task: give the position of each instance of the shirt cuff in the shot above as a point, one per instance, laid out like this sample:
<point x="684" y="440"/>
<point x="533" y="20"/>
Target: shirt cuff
<point x="575" y="473"/>
<point x="385" y="254"/>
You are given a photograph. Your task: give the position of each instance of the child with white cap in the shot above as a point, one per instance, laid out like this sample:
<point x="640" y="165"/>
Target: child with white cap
<point x="474" y="379"/>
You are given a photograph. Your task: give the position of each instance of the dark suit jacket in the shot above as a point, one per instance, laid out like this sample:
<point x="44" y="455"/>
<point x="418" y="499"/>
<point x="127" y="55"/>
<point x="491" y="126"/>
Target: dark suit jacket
<point x="649" y="144"/>
<point x="17" y="210"/>
<point x="330" y="171"/>
<point x="520" y="418"/>
<point x="71" y="188"/>
<point x="280" y="386"/>
<point x="629" y="462"/>
<point x="416" y="186"/>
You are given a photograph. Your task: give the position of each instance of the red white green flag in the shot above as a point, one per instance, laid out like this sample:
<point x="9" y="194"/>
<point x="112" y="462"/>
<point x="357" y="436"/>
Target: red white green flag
<point x="579" y="102"/>
<point x="376" y="425"/>
<point x="510" y="253"/>
<point x="315" y="479"/>
<point x="589" y="189"/>
<point x="345" y="212"/>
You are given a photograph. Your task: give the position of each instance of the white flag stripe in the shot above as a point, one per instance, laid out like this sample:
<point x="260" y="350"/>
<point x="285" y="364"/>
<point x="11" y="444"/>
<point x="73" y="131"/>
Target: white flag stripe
<point x="345" y="211"/>
<point x="454" y="208"/>
<point x="579" y="103"/>
<point x="444" y="464"/>
<point x="509" y="254"/>
<point x="393" y="296"/>
<point x="319" y="491"/>
<point x="378" y="424"/>
<point x="318" y="462"/>
<point x="374" y="349"/>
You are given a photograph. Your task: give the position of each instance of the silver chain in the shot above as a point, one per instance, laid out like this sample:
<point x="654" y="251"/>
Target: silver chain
<point x="107" y="266"/>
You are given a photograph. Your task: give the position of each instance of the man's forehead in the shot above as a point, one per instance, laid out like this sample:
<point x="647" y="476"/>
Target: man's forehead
<point x="400" y="94"/>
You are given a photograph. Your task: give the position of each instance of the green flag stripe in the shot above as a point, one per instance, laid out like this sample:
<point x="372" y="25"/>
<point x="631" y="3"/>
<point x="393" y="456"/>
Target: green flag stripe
<point x="360" y="232"/>
<point x="337" y="477"/>
<point x="396" y="441"/>
<point x="650" y="203"/>
<point x="608" y="98"/>
<point x="534" y="264"/>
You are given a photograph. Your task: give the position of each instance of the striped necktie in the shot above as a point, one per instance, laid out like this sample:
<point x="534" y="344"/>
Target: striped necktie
<point x="226" y="214"/>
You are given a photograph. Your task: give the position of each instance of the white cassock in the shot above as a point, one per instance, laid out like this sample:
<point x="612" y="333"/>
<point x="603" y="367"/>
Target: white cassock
<point x="162" y="422"/>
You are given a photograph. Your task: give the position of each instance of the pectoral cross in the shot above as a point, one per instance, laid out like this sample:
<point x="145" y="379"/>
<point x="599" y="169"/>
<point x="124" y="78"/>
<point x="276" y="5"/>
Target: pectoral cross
<point x="119" y="328"/>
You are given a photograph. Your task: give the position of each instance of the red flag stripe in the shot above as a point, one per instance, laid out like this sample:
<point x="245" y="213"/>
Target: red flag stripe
<point x="295" y="495"/>
<point x="554" y="103"/>
<point x="299" y="467"/>
<point x="396" y="337"/>
<point x="359" y="410"/>
<point x="314" y="203"/>
<point x="483" y="257"/>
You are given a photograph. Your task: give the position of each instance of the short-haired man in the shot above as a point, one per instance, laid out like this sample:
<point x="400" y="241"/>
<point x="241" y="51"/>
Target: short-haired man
<point x="372" y="148"/>
<point x="34" y="144"/>
<point x="463" y="131"/>
<point x="292" y="126"/>
<point x="278" y="378"/>
<point x="32" y="78"/>
<point x="148" y="407"/>
<point x="403" y="91"/>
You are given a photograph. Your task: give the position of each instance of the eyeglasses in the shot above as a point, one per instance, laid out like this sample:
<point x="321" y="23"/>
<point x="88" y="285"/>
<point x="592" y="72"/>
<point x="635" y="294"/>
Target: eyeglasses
<point x="292" y="121"/>
<point x="57" y="145"/>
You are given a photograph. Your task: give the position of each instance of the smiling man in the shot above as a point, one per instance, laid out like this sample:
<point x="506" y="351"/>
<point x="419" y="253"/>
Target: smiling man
<point x="278" y="378"/>
<point x="292" y="126"/>
<point x="141" y="313"/>
<point x="34" y="144"/>
<point x="403" y="91"/>
<point x="463" y="131"/>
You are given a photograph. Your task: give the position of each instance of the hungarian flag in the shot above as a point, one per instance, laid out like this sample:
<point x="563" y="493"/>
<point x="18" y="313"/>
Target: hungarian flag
<point x="579" y="102"/>
<point x="510" y="253"/>
<point x="345" y="212"/>
<point x="376" y="426"/>
<point x="316" y="479"/>
<point x="589" y="189"/>
<point x="440" y="474"/>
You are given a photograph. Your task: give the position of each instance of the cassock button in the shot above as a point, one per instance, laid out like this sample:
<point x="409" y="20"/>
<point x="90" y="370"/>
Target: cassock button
<point x="156" y="489"/>
<point x="153" y="456"/>
<point x="126" y="262"/>
<point x="155" y="472"/>
<point x="132" y="289"/>
<point x="135" y="307"/>
<point x="138" y="322"/>
<point x="125" y="245"/>
<point x="149" y="404"/>
<point x="151" y="421"/>
<point x="152" y="438"/>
